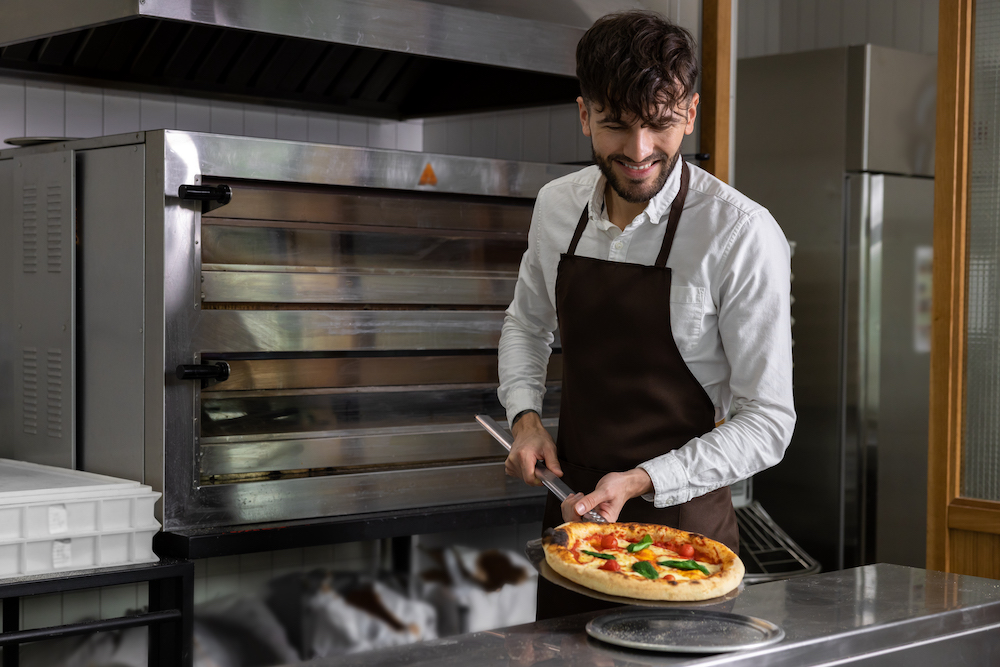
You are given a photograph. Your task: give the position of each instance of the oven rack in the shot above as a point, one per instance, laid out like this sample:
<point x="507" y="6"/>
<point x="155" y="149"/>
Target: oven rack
<point x="767" y="551"/>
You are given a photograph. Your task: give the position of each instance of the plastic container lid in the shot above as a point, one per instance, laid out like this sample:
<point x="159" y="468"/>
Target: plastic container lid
<point x="22" y="482"/>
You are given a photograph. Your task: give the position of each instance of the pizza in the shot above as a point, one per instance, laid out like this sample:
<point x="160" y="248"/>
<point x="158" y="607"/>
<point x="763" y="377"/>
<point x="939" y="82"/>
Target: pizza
<point x="642" y="560"/>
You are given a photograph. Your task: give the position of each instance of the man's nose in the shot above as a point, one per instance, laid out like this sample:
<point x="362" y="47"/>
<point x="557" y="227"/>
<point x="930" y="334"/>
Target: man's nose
<point x="639" y="145"/>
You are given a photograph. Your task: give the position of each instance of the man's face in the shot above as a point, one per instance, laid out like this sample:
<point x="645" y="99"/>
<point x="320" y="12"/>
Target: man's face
<point x="634" y="157"/>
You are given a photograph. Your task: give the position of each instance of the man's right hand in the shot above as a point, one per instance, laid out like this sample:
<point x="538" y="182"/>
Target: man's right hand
<point x="532" y="443"/>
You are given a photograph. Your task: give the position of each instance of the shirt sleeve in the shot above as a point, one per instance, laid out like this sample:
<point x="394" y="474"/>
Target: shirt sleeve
<point x="526" y="337"/>
<point x="753" y="288"/>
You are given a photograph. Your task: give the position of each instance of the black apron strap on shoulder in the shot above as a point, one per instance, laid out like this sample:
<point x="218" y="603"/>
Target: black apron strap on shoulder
<point x="676" y="207"/>
<point x="580" y="226"/>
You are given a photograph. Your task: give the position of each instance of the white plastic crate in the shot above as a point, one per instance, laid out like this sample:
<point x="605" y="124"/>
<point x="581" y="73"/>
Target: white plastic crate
<point x="54" y="519"/>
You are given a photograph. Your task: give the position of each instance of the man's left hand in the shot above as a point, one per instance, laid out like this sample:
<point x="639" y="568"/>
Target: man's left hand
<point x="611" y="494"/>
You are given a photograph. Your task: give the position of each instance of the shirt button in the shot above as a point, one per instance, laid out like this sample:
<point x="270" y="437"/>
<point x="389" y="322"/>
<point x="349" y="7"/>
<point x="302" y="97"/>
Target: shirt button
<point x="618" y="245"/>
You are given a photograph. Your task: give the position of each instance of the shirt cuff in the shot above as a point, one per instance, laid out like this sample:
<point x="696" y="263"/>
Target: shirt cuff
<point x="670" y="481"/>
<point x="519" y="400"/>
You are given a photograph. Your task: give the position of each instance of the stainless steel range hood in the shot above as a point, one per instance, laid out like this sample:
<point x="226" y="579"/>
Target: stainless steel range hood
<point x="388" y="58"/>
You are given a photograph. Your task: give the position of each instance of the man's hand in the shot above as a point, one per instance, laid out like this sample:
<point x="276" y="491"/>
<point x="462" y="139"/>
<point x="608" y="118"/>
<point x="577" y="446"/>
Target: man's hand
<point x="611" y="494"/>
<point x="532" y="443"/>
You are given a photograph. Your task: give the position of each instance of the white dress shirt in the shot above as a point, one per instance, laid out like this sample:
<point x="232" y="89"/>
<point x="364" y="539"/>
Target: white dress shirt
<point x="729" y="313"/>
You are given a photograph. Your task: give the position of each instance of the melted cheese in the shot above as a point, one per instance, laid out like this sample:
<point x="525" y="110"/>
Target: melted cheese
<point x="652" y="554"/>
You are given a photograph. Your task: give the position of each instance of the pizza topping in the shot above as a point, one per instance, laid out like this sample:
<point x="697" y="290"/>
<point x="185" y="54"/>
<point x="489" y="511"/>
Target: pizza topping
<point x="611" y="566"/>
<point x="685" y="565"/>
<point x="639" y="546"/>
<point x="645" y="554"/>
<point x="645" y="569"/>
<point x="609" y="542"/>
<point x="598" y="555"/>
<point x="685" y="551"/>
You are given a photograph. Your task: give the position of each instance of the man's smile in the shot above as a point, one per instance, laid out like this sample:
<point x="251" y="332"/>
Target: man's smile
<point x="638" y="170"/>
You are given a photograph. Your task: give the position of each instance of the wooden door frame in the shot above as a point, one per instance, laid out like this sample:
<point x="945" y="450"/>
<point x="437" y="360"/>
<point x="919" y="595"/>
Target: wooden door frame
<point x="947" y="511"/>
<point x="716" y="80"/>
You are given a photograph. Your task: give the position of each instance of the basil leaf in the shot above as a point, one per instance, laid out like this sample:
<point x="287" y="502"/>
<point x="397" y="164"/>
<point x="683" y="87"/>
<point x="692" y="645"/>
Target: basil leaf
<point x="639" y="546"/>
<point x="645" y="569"/>
<point x="597" y="555"/>
<point x="685" y="565"/>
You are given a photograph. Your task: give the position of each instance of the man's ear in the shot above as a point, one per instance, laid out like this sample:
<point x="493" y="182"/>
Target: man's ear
<point x="584" y="116"/>
<point x="692" y="112"/>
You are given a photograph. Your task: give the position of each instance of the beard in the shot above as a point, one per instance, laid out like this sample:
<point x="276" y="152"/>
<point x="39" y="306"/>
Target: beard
<point x="632" y="192"/>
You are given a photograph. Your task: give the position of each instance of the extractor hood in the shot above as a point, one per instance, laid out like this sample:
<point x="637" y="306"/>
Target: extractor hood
<point x="385" y="58"/>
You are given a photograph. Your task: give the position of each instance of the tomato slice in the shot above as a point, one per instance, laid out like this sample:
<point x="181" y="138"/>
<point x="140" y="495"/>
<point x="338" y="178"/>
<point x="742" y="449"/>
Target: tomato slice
<point x="686" y="551"/>
<point x="611" y="566"/>
<point x="609" y="542"/>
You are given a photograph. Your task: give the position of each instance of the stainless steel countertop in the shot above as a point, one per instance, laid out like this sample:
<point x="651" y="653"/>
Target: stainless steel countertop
<point x="873" y="615"/>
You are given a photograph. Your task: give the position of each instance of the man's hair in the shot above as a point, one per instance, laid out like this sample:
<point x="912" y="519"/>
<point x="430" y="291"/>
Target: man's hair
<point x="631" y="62"/>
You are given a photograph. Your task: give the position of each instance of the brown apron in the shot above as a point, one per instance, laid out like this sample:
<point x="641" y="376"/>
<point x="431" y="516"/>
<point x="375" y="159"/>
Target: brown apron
<point x="627" y="395"/>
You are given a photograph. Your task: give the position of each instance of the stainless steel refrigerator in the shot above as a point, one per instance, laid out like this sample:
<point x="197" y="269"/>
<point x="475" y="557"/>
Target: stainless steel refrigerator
<point x="839" y="145"/>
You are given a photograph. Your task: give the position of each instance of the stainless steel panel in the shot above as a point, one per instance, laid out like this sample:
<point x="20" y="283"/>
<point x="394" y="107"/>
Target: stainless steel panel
<point x="297" y="411"/>
<point x="173" y="268"/>
<point x="111" y="319"/>
<point x="43" y="308"/>
<point x="227" y="248"/>
<point x="261" y="374"/>
<point x="903" y="374"/>
<point x="393" y="448"/>
<point x="862" y="263"/>
<point x="404" y="26"/>
<point x="346" y="287"/>
<point x="8" y="328"/>
<point x="366" y="210"/>
<point x="892" y="98"/>
<point x="339" y="495"/>
<point x="797" y="172"/>
<point x="190" y="155"/>
<point x="243" y="331"/>
<point x="348" y="452"/>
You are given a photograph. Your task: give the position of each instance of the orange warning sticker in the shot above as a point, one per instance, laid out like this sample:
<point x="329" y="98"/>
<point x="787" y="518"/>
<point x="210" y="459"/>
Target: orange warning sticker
<point x="428" y="177"/>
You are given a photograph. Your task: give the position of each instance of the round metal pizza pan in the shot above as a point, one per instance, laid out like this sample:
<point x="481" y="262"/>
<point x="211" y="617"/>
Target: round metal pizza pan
<point x="684" y="630"/>
<point x="548" y="573"/>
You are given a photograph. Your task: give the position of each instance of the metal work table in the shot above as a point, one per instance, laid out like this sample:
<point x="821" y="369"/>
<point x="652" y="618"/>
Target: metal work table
<point x="872" y="615"/>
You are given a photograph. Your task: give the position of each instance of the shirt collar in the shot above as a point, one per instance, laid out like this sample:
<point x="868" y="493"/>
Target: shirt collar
<point x="657" y="208"/>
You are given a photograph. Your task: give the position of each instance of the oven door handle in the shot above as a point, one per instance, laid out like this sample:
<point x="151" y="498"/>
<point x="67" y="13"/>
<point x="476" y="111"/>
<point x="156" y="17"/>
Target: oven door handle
<point x="210" y="196"/>
<point x="209" y="374"/>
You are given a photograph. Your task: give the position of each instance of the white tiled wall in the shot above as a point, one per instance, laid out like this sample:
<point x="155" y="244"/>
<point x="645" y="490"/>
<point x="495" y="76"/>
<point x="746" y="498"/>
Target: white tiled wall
<point x="35" y="109"/>
<point x="768" y="27"/>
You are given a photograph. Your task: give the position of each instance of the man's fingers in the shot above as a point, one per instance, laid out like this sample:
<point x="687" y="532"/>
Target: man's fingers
<point x="528" y="460"/>
<point x="552" y="462"/>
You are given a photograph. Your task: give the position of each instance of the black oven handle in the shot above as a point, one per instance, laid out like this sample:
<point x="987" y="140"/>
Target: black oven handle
<point x="210" y="196"/>
<point x="209" y="374"/>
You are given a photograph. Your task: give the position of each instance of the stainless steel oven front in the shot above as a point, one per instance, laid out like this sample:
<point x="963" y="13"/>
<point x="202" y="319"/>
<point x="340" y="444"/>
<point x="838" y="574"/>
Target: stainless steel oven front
<point x="315" y="347"/>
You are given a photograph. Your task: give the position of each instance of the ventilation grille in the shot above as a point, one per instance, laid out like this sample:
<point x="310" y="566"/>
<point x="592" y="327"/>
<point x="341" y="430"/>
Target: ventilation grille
<point x="29" y="229"/>
<point x="54" y="393"/>
<point x="29" y="382"/>
<point x="54" y="228"/>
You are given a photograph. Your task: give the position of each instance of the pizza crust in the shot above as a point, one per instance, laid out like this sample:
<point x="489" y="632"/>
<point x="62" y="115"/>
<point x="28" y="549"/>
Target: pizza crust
<point x="562" y="544"/>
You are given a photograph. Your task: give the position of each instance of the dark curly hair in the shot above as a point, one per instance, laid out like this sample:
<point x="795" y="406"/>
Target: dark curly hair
<point x="632" y="62"/>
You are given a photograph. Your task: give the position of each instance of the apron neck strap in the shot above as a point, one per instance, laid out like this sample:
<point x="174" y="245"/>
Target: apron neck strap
<point x="676" y="207"/>
<point x="675" y="216"/>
